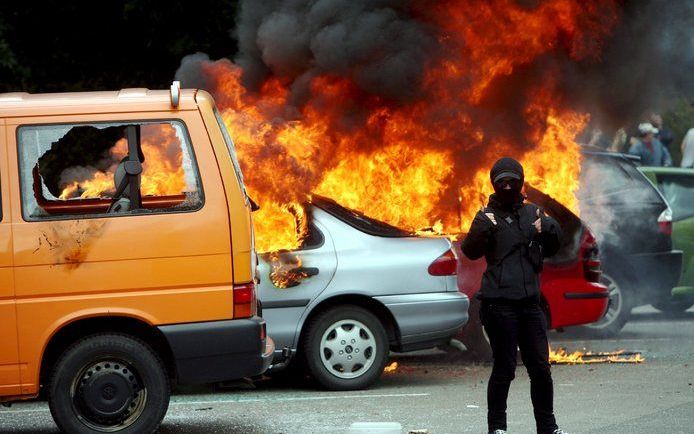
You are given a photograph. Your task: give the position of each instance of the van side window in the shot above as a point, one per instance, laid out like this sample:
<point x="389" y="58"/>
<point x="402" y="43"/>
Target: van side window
<point x="100" y="169"/>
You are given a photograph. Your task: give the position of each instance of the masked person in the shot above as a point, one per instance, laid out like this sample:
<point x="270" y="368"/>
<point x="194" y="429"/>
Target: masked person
<point x="514" y="237"/>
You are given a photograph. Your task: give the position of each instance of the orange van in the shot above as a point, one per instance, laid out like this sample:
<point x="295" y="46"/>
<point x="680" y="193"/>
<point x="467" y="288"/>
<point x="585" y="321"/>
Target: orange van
<point x="126" y="255"/>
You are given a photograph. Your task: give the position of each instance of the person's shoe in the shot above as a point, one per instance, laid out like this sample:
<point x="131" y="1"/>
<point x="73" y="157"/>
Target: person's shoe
<point x="498" y="431"/>
<point x="559" y="431"/>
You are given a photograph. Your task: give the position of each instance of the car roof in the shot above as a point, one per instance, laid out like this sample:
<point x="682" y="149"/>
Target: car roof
<point x="19" y="104"/>
<point x="592" y="150"/>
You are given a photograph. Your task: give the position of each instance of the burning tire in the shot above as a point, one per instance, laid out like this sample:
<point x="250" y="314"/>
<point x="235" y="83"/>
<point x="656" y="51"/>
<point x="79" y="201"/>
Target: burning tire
<point x="345" y="348"/>
<point x="618" y="309"/>
<point x="109" y="383"/>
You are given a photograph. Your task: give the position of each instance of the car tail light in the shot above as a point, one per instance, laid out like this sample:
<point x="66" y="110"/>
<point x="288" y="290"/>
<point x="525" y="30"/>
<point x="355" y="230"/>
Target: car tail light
<point x="444" y="265"/>
<point x="591" y="257"/>
<point x="665" y="221"/>
<point x="244" y="300"/>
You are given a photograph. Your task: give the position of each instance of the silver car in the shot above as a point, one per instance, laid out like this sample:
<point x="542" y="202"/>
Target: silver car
<point x="356" y="289"/>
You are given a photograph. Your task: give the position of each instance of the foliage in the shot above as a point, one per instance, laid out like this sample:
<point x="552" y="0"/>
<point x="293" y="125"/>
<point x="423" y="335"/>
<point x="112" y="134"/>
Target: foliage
<point x="57" y="45"/>
<point x="679" y="119"/>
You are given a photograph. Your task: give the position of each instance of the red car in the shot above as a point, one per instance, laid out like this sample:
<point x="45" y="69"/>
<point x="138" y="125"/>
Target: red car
<point x="571" y="292"/>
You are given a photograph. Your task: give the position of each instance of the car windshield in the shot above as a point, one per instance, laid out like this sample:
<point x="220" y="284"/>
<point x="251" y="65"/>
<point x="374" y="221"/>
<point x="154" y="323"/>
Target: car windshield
<point x="679" y="192"/>
<point x="358" y="220"/>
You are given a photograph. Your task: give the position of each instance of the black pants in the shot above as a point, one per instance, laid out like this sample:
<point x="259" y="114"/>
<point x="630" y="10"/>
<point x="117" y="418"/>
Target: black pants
<point x="511" y="325"/>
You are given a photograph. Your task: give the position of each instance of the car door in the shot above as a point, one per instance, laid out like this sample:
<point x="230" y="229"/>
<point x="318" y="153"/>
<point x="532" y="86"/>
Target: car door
<point x="9" y="357"/>
<point x="678" y="189"/>
<point x="299" y="277"/>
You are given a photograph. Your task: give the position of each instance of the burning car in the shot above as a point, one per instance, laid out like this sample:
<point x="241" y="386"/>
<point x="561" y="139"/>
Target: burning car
<point x="571" y="288"/>
<point x="355" y="289"/>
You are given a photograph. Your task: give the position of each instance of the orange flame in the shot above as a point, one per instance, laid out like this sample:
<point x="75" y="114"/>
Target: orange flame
<point x="420" y="164"/>
<point x="561" y="356"/>
<point x="391" y="368"/>
<point x="163" y="172"/>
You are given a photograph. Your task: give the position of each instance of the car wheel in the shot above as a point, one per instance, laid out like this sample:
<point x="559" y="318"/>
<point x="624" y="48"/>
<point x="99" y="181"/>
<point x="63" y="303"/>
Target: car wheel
<point x="671" y="306"/>
<point x="618" y="309"/>
<point x="108" y="383"/>
<point x="473" y="336"/>
<point x="345" y="348"/>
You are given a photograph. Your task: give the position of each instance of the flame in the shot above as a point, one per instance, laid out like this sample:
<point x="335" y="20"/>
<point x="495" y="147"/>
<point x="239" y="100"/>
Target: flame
<point x="391" y="368"/>
<point x="423" y="164"/>
<point x="163" y="172"/>
<point x="287" y="270"/>
<point x="561" y="356"/>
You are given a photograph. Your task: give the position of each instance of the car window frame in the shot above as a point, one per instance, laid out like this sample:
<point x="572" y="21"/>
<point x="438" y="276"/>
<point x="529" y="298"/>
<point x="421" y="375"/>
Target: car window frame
<point x="137" y="213"/>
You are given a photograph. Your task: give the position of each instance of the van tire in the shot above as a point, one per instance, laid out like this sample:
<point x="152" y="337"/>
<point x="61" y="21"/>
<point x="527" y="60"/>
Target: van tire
<point x="120" y="370"/>
<point x="371" y="346"/>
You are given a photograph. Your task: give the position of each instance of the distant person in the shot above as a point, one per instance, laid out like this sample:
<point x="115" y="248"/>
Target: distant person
<point x="598" y="139"/>
<point x="664" y="134"/>
<point x="688" y="149"/>
<point x="619" y="141"/>
<point x="514" y="237"/>
<point x="649" y="148"/>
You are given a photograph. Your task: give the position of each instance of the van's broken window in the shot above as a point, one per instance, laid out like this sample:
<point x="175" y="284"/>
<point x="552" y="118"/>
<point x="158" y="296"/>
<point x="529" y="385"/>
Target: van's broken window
<point x="75" y="170"/>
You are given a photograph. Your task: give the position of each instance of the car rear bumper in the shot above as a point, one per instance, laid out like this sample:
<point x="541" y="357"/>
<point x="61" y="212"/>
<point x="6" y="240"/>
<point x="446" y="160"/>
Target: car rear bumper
<point x="209" y="352"/>
<point x="427" y="320"/>
<point x="574" y="301"/>
<point x="656" y="273"/>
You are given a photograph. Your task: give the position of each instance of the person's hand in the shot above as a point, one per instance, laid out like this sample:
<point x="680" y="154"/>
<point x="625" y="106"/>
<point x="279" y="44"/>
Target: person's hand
<point x="538" y="222"/>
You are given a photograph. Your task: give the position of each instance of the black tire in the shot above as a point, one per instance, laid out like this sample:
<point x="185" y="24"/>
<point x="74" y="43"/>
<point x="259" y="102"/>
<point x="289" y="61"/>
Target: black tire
<point x="374" y="350"/>
<point x="473" y="336"/>
<point x="671" y="306"/>
<point x="619" y="310"/>
<point x="125" y="375"/>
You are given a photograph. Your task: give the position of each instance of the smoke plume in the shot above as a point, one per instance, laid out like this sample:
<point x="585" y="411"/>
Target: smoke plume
<point x="646" y="64"/>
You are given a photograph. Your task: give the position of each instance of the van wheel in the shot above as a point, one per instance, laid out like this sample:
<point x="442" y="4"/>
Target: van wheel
<point x="346" y="348"/>
<point x="108" y="383"/>
<point x="618" y="310"/>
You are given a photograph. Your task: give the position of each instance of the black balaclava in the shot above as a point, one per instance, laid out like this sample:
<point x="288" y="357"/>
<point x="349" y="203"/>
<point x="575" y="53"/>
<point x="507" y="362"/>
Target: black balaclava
<point x="507" y="168"/>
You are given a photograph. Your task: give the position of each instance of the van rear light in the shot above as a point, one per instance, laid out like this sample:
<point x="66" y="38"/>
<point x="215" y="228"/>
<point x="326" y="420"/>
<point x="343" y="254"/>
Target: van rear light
<point x="665" y="221"/>
<point x="444" y="265"/>
<point x="244" y="300"/>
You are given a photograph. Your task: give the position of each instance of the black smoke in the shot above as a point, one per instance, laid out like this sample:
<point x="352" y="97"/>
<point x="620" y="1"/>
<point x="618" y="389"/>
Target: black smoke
<point x="376" y="43"/>
<point x="647" y="63"/>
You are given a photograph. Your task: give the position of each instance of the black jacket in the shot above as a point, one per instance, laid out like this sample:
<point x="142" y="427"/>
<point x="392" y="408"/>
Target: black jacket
<point x="503" y="236"/>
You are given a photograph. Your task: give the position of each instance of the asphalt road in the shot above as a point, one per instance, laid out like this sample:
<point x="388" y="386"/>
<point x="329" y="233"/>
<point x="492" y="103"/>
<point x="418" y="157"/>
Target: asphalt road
<point x="446" y="394"/>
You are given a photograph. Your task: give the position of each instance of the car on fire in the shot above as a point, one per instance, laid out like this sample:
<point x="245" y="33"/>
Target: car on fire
<point x="356" y="289"/>
<point x="633" y="223"/>
<point x="677" y="185"/>
<point x="571" y="287"/>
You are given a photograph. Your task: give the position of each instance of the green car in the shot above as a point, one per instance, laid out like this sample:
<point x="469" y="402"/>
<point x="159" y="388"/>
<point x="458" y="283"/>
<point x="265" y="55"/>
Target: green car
<point x="677" y="185"/>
